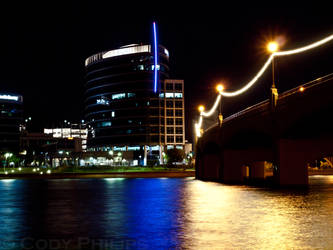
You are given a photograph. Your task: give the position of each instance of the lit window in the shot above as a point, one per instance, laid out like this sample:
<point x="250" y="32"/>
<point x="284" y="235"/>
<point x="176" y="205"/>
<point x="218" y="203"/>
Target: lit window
<point x="102" y="101"/>
<point x="118" y="96"/>
<point x="178" y="95"/>
<point x="104" y="124"/>
<point x="162" y="95"/>
<point x="166" y="52"/>
<point x="133" y="148"/>
<point x="113" y="114"/>
<point x="129" y="95"/>
<point x="157" y="66"/>
<point x="169" y="95"/>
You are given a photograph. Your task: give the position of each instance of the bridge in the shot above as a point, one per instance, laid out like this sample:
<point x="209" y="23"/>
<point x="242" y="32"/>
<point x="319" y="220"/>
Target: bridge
<point x="287" y="135"/>
<point x="282" y="134"/>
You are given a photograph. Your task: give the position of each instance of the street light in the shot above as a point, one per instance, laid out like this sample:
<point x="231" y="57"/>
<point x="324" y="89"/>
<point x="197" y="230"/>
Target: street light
<point x="272" y="47"/>
<point x="220" y="89"/>
<point x="201" y="108"/>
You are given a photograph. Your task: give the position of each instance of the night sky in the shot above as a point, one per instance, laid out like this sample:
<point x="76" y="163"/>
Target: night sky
<point x="44" y="46"/>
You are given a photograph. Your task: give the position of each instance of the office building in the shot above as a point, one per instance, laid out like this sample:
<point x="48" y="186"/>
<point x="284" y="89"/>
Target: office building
<point x="11" y="115"/>
<point x="131" y="105"/>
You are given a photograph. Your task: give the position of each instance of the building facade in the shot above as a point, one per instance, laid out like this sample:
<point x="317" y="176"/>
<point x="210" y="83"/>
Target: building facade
<point x="72" y="131"/>
<point x="128" y="102"/>
<point x="11" y="116"/>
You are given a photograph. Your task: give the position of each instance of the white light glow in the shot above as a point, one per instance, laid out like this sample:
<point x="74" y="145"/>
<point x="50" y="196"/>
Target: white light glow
<point x="127" y="51"/>
<point x="211" y="111"/>
<point x="9" y="97"/>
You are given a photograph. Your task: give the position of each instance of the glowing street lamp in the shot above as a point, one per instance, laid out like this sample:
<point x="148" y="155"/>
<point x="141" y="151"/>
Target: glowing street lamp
<point x="273" y="47"/>
<point x="201" y="108"/>
<point x="220" y="89"/>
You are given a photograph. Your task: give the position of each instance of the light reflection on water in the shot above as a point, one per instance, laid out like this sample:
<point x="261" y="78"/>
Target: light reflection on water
<point x="155" y="213"/>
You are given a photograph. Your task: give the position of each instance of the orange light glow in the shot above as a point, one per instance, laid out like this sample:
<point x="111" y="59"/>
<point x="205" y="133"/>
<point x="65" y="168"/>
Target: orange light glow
<point x="219" y="88"/>
<point x="201" y="108"/>
<point x="272" y="47"/>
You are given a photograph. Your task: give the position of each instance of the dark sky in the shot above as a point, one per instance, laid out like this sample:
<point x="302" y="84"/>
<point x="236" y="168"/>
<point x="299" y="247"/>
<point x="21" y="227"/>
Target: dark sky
<point x="44" y="46"/>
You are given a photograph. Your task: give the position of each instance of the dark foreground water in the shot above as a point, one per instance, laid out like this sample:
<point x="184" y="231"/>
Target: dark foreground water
<point x="163" y="214"/>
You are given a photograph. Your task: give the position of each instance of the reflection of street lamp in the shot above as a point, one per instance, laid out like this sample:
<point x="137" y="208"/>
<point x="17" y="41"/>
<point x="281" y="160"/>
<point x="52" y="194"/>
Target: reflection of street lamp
<point x="220" y="89"/>
<point x="272" y="47"/>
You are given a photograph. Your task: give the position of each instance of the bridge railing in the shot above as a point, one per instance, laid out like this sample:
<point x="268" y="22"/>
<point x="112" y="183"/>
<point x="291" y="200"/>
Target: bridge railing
<point x="307" y="85"/>
<point x="260" y="105"/>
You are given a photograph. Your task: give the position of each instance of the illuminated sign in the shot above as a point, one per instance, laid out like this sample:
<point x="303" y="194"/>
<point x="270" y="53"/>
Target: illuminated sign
<point x="9" y="97"/>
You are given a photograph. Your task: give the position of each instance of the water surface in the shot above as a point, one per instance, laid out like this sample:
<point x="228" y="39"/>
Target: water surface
<point x="163" y="213"/>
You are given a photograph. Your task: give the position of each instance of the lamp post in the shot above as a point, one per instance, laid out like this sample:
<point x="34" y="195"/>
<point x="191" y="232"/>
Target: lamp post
<point x="272" y="47"/>
<point x="219" y="89"/>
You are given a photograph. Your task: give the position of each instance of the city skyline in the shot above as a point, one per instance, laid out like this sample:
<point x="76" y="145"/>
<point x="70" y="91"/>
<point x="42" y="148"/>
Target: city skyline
<point x="203" y="51"/>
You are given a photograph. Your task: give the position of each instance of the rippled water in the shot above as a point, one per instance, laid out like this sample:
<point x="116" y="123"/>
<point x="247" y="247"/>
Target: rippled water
<point x="160" y="213"/>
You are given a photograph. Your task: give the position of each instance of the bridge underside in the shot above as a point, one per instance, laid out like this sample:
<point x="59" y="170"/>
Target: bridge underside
<point x="288" y="159"/>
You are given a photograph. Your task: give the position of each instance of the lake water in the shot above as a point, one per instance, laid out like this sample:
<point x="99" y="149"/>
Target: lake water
<point x="163" y="213"/>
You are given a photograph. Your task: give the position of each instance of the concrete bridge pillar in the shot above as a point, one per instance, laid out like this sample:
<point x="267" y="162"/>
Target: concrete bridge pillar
<point x="292" y="163"/>
<point x="211" y="167"/>
<point x="257" y="170"/>
<point x="233" y="171"/>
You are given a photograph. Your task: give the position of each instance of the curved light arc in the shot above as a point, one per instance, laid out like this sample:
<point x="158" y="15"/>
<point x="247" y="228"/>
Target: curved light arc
<point x="256" y="77"/>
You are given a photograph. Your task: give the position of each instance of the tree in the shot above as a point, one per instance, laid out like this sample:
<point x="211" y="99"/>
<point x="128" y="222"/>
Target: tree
<point x="175" y="155"/>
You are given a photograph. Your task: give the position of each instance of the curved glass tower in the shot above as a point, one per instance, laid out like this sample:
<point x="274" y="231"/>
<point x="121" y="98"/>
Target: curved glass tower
<point x="122" y="97"/>
<point x="11" y="115"/>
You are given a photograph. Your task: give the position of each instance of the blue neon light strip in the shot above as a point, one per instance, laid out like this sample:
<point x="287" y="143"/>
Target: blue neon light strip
<point x="155" y="58"/>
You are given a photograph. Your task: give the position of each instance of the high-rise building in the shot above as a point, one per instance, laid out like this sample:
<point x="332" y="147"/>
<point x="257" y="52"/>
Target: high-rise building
<point x="11" y="115"/>
<point x="130" y="105"/>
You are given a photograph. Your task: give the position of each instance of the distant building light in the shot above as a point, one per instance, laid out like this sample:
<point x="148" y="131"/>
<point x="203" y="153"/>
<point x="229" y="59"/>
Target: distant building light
<point x="155" y="148"/>
<point x="127" y="51"/>
<point x="118" y="96"/>
<point x="166" y="52"/>
<point x="9" y="97"/>
<point x="133" y="148"/>
<point x="115" y="148"/>
<point x="102" y="101"/>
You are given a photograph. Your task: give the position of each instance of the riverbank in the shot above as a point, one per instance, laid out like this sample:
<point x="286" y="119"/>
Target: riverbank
<point x="155" y="174"/>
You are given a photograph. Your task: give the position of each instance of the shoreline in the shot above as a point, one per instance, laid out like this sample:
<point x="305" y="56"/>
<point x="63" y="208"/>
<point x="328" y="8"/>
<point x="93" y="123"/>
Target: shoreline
<point x="152" y="174"/>
<point x="161" y="174"/>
